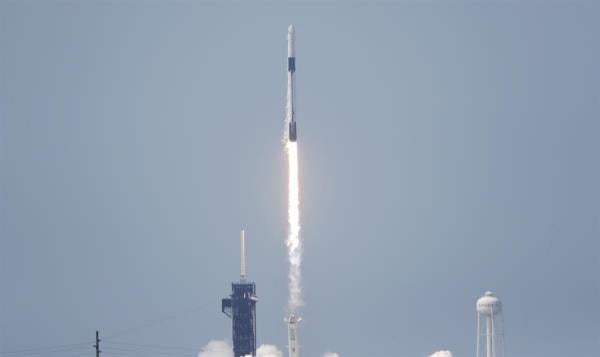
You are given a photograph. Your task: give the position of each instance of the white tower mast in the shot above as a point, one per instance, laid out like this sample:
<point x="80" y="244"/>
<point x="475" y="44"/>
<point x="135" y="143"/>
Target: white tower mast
<point x="293" y="345"/>
<point x="242" y="257"/>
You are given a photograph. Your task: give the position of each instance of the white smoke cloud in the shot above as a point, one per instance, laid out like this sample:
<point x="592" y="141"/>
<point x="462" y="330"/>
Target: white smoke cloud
<point x="223" y="349"/>
<point x="331" y="354"/>
<point x="268" y="351"/>
<point x="216" y="349"/>
<point x="442" y="354"/>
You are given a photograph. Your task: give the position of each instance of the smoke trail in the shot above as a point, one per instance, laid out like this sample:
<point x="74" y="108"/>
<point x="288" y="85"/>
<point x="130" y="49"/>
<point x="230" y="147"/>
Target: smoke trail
<point x="442" y="354"/>
<point x="293" y="242"/>
<point x="331" y="354"/>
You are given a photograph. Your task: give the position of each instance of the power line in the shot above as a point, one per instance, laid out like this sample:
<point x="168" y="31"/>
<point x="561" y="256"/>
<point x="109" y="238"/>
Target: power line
<point x="45" y="350"/>
<point x="151" y="346"/>
<point x="52" y="349"/>
<point x="146" y="352"/>
<point x="142" y="354"/>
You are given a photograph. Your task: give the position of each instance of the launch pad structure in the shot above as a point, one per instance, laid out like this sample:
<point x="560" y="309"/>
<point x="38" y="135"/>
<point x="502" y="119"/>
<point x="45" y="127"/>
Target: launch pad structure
<point x="240" y="306"/>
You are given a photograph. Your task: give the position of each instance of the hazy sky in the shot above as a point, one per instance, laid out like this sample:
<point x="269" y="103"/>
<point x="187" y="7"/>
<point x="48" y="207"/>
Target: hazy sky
<point x="446" y="148"/>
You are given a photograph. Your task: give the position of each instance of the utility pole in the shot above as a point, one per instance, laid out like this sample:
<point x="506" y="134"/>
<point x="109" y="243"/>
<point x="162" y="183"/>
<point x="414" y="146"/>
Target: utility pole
<point x="97" y="345"/>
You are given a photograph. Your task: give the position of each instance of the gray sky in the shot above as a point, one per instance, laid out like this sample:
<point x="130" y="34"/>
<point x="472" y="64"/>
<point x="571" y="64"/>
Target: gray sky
<point x="447" y="148"/>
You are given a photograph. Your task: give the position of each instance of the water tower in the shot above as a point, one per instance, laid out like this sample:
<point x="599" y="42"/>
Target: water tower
<point x="490" y="330"/>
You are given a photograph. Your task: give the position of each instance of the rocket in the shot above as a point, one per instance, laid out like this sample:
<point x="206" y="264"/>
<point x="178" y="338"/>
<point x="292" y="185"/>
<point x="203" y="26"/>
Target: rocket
<point x="290" y="107"/>
<point x="293" y="346"/>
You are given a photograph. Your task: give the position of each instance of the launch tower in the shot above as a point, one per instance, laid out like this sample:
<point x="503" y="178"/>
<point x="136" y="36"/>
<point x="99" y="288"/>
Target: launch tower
<point x="240" y="306"/>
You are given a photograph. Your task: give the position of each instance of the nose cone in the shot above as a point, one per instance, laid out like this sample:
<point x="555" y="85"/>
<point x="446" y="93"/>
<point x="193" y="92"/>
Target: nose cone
<point x="291" y="36"/>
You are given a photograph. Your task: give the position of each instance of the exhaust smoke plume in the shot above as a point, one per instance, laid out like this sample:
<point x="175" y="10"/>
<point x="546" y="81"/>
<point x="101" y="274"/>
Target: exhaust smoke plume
<point x="223" y="349"/>
<point x="442" y="354"/>
<point x="268" y="351"/>
<point x="216" y="349"/>
<point x="293" y="242"/>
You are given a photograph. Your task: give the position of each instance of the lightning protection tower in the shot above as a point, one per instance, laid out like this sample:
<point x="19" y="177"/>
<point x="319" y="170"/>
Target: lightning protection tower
<point x="240" y="306"/>
<point x="490" y="329"/>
